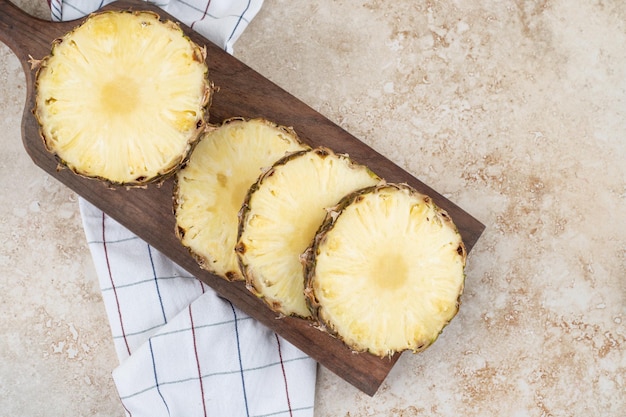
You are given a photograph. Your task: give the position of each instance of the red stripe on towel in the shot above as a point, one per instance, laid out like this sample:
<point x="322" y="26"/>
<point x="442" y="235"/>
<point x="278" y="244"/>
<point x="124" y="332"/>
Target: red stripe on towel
<point x="206" y="10"/>
<point x="282" y="366"/>
<point x="117" y="301"/>
<point x="195" y="349"/>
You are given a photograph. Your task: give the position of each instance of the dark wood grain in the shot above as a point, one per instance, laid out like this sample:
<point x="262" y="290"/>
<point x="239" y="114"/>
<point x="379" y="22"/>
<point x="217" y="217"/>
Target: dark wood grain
<point x="148" y="212"/>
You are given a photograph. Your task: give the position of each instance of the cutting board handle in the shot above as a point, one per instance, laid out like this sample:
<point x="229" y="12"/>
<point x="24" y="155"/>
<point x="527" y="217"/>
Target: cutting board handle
<point x="17" y="28"/>
<point x="26" y="35"/>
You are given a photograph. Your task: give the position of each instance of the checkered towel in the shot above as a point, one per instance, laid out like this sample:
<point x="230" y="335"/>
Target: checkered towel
<point x="220" y="21"/>
<point x="183" y="350"/>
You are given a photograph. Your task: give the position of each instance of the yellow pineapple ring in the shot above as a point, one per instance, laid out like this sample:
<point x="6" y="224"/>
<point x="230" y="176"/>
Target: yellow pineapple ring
<point x="122" y="97"/>
<point x="386" y="270"/>
<point x="280" y="215"/>
<point x="211" y="188"/>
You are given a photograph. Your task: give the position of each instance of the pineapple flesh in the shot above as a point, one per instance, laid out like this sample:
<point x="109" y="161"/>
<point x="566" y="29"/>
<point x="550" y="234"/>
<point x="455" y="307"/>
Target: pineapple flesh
<point x="386" y="270"/>
<point x="211" y="188"/>
<point x="122" y="97"/>
<point x="280" y="217"/>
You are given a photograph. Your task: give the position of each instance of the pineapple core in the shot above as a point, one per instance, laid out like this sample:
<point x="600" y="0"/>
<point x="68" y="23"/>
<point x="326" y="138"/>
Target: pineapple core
<point x="389" y="271"/>
<point x="120" y="96"/>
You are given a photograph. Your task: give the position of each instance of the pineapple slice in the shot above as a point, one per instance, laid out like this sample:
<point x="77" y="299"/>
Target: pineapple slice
<point x="122" y="97"/>
<point x="386" y="270"/>
<point x="211" y="188"/>
<point x="279" y="219"/>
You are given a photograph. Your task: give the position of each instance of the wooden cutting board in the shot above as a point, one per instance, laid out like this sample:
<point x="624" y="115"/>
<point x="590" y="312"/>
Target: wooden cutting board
<point x="148" y="212"/>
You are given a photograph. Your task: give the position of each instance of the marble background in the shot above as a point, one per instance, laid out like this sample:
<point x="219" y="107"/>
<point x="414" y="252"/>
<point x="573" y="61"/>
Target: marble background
<point x="515" y="110"/>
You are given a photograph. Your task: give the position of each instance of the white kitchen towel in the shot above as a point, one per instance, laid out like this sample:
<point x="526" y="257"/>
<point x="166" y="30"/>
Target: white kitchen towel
<point x="220" y="21"/>
<point x="183" y="350"/>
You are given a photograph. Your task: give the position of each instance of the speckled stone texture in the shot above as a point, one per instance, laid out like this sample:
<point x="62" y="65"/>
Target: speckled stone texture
<point x="515" y="110"/>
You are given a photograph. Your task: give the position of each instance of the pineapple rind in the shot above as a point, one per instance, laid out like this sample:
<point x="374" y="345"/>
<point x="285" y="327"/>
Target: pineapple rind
<point x="210" y="189"/>
<point x="280" y="215"/>
<point x="375" y="313"/>
<point x="122" y="97"/>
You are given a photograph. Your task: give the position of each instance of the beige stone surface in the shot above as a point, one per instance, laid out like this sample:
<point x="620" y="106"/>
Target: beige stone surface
<point x="515" y="110"/>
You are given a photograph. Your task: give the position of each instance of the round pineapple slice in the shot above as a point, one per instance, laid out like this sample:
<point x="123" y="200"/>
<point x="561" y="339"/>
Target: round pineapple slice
<point x="386" y="270"/>
<point x="280" y="216"/>
<point x="122" y="97"/>
<point x="211" y="188"/>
